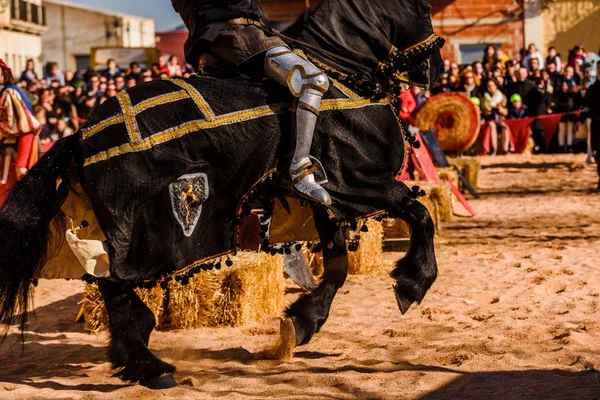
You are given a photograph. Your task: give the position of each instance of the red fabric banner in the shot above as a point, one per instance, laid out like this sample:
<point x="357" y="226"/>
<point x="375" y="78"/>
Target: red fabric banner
<point x="519" y="130"/>
<point x="549" y="123"/>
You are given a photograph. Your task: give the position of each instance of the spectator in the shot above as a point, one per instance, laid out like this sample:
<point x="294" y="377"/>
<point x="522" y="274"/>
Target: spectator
<point x="39" y="113"/>
<point x="102" y="89"/>
<point x="47" y="102"/>
<point x="111" y="91"/>
<point x="553" y="57"/>
<point x="420" y="96"/>
<point x="162" y="67"/>
<point x="576" y="57"/>
<point x="61" y="130"/>
<point x="494" y="110"/>
<point x="69" y="77"/>
<point x="408" y="104"/>
<point x="534" y="69"/>
<point x="533" y="99"/>
<point x="120" y="83"/>
<point x="479" y="71"/>
<point x="454" y="84"/>
<point x="552" y="70"/>
<point x="510" y="76"/>
<point x="112" y="70"/>
<point x="517" y="110"/>
<point x="470" y="85"/>
<point x="87" y="105"/>
<point x="501" y="57"/>
<point x="131" y="82"/>
<point x="532" y="53"/>
<point x="174" y="67"/>
<point x="489" y="57"/>
<point x="135" y="72"/>
<point x="454" y="69"/>
<point x="571" y="78"/>
<point x="29" y="75"/>
<point x="446" y="65"/>
<point x="53" y="73"/>
<point x="547" y="88"/>
<point x="94" y="86"/>
<point x="567" y="101"/>
<point x="592" y="102"/>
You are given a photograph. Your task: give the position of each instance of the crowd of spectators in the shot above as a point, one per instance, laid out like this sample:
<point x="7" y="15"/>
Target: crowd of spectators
<point x="530" y="86"/>
<point x="63" y="100"/>
<point x="502" y="88"/>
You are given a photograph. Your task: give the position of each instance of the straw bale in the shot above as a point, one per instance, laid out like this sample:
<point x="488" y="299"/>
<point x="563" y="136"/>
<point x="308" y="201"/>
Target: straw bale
<point x="395" y="228"/>
<point x="470" y="168"/>
<point x="250" y="294"/>
<point x="314" y="261"/>
<point x="449" y="173"/>
<point x="437" y="199"/>
<point x="369" y="256"/>
<point x="251" y="290"/>
<point x="94" y="312"/>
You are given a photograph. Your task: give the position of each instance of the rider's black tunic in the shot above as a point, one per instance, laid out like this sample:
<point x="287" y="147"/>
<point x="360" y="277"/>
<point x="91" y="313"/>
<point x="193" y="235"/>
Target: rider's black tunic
<point x="211" y="33"/>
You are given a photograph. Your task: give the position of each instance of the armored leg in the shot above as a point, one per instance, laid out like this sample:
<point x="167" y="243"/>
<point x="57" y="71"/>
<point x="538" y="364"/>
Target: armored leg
<point x="308" y="84"/>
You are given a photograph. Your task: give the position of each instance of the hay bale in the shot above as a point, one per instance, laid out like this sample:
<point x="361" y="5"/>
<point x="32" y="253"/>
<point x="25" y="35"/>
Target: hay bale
<point x="437" y="199"/>
<point x="449" y="173"/>
<point x="314" y="261"/>
<point x="251" y="290"/>
<point x="469" y="167"/>
<point x="250" y="293"/>
<point x="94" y="313"/>
<point x="395" y="228"/>
<point x="369" y="256"/>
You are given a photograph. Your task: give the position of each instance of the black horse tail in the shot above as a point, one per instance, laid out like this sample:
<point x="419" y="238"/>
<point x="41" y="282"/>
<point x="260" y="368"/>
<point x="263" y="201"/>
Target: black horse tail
<point x="25" y="219"/>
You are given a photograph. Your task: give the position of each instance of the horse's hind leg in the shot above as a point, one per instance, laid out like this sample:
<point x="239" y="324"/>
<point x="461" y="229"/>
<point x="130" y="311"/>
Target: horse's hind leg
<point x="128" y="351"/>
<point x="144" y="318"/>
<point x="416" y="272"/>
<point x="309" y="312"/>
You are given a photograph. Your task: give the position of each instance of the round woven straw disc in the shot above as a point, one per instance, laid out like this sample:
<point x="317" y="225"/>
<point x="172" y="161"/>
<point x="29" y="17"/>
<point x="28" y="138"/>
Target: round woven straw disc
<point x="455" y="119"/>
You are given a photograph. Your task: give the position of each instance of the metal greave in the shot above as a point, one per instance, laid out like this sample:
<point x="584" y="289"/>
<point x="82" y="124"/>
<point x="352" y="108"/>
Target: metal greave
<point x="308" y="84"/>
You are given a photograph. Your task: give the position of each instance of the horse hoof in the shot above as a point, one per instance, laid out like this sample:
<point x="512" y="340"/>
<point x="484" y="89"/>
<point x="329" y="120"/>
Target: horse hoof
<point x="165" y="381"/>
<point x="284" y="349"/>
<point x="403" y="303"/>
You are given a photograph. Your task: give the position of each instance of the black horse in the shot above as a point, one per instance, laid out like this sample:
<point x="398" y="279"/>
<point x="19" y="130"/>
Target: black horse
<point x="172" y="168"/>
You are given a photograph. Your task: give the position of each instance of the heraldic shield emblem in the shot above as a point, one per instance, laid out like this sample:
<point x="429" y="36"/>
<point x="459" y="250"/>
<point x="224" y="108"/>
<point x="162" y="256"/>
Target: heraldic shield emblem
<point x="188" y="193"/>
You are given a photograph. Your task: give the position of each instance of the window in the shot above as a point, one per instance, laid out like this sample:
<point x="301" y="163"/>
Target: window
<point x="469" y="53"/>
<point x="35" y="13"/>
<point x="44" y="15"/>
<point x="82" y="62"/>
<point x="23" y="10"/>
<point x="13" y="9"/>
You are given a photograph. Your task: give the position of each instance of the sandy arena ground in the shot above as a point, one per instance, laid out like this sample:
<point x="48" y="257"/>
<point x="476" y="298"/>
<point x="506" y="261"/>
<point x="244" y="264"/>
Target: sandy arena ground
<point x="515" y="313"/>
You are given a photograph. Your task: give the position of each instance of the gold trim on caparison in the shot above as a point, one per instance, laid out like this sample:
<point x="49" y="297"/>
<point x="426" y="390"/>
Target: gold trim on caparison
<point x="185" y="129"/>
<point x="92" y="130"/>
<point x="204" y="107"/>
<point x="130" y="123"/>
<point x="160" y="100"/>
<point x="138" y="108"/>
<point x="346" y="90"/>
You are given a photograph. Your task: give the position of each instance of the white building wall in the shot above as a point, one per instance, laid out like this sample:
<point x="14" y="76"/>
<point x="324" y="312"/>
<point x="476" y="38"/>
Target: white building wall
<point x="17" y="47"/>
<point x="73" y="30"/>
<point x="20" y="40"/>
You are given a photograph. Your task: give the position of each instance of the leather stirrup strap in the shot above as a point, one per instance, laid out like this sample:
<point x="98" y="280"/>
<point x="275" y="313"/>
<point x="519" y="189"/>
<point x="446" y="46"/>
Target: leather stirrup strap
<point x="301" y="168"/>
<point x="304" y="174"/>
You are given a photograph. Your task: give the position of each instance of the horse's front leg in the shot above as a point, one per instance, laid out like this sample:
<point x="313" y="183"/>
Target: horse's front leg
<point x="130" y="324"/>
<point x="307" y="315"/>
<point x="416" y="272"/>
